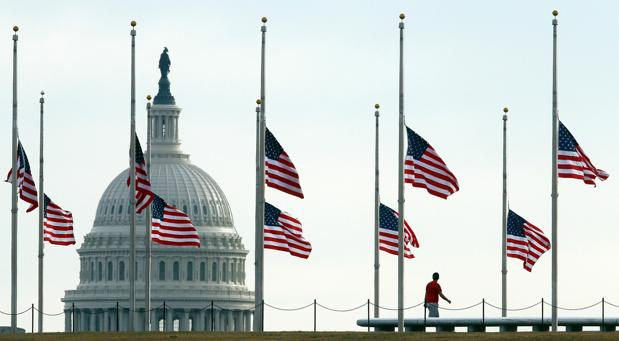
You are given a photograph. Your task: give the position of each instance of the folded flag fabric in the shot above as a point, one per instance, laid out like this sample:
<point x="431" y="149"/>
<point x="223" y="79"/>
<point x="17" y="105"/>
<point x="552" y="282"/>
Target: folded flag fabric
<point x="388" y="233"/>
<point x="57" y="224"/>
<point x="171" y="226"/>
<point x="283" y="232"/>
<point x="143" y="191"/>
<point x="25" y="182"/>
<point x="423" y="168"/>
<point x="525" y="241"/>
<point x="280" y="172"/>
<point x="572" y="162"/>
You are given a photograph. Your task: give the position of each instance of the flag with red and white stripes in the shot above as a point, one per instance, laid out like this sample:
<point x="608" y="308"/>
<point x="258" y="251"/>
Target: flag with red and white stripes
<point x="170" y="226"/>
<point x="425" y="169"/>
<point x="280" y="172"/>
<point x="283" y="232"/>
<point x="525" y="241"/>
<point x="57" y="224"/>
<point x="388" y="233"/>
<point x="143" y="191"/>
<point x="25" y="182"/>
<point x="572" y="162"/>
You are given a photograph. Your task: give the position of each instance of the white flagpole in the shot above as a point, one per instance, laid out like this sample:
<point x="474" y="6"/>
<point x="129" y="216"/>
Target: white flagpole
<point x="259" y="298"/>
<point x="147" y="227"/>
<point x="376" y="222"/>
<point x="401" y="127"/>
<point x="504" y="221"/>
<point x="132" y="190"/>
<point x="555" y="194"/>
<point x="14" y="192"/>
<point x="41" y="217"/>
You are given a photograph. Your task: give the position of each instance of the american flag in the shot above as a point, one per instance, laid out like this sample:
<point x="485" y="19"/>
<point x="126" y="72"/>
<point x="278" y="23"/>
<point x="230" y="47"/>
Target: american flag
<point x="57" y="225"/>
<point x="572" y="162"/>
<point x="25" y="182"/>
<point x="171" y="226"/>
<point x="525" y="241"/>
<point x="144" y="193"/>
<point x="425" y="169"/>
<point x="388" y="233"/>
<point x="280" y="172"/>
<point x="284" y="233"/>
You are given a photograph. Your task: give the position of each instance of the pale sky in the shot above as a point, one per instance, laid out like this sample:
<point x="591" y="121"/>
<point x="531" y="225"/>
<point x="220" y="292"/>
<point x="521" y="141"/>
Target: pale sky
<point x="327" y="64"/>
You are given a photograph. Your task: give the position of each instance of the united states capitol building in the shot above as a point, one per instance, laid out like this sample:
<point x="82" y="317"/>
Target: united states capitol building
<point x="203" y="288"/>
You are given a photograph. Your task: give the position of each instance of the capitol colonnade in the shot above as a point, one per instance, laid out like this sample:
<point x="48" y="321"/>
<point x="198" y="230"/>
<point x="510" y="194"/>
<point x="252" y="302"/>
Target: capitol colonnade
<point x="203" y="288"/>
<point x="170" y="319"/>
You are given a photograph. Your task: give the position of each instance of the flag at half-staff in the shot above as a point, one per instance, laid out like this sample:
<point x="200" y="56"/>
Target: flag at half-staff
<point x="280" y="172"/>
<point x="143" y="192"/>
<point x="57" y="224"/>
<point x="388" y="233"/>
<point x="423" y="168"/>
<point x="284" y="233"/>
<point x="572" y="162"/>
<point x="172" y="226"/>
<point x="525" y="241"/>
<point x="25" y="182"/>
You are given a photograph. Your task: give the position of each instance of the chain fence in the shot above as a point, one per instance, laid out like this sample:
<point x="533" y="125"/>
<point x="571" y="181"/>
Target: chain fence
<point x="314" y="305"/>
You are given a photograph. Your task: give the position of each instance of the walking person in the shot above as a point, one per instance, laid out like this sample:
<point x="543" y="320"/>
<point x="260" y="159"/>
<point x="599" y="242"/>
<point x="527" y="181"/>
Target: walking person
<point x="433" y="291"/>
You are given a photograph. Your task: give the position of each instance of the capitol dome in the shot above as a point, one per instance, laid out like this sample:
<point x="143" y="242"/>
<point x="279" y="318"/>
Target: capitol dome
<point x="191" y="288"/>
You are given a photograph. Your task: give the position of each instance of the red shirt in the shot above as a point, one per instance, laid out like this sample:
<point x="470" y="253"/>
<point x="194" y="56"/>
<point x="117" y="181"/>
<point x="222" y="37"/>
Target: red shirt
<point x="432" y="291"/>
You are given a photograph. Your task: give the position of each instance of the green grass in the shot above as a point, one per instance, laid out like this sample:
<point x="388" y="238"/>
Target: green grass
<point x="312" y="336"/>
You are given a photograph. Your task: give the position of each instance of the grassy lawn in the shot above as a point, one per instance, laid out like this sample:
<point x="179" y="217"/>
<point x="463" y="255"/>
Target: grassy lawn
<point x="313" y="336"/>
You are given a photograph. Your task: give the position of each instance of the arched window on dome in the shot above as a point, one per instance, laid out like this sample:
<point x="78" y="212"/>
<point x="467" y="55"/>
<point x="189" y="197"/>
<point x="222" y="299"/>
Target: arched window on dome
<point x="110" y="271"/>
<point x="92" y="271"/>
<point x="105" y="212"/>
<point x="214" y="272"/>
<point x="100" y="272"/>
<point x="224" y="272"/>
<point x="190" y="271"/>
<point x="204" y="210"/>
<point x="176" y="275"/>
<point x="163" y="130"/>
<point x="203" y="271"/>
<point x="185" y="209"/>
<point x="112" y="211"/>
<point x="121" y="271"/>
<point x="120" y="209"/>
<point x="195" y="209"/>
<point x="162" y="271"/>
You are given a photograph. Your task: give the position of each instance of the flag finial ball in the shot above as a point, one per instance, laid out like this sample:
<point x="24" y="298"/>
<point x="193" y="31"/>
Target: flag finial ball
<point x="133" y="23"/>
<point x="555" y="12"/>
<point x="376" y="106"/>
<point x="148" y="97"/>
<point x="258" y="102"/>
<point x="505" y="110"/>
<point x="264" y="20"/>
<point x="42" y="92"/>
<point x="402" y="16"/>
<point x="15" y="28"/>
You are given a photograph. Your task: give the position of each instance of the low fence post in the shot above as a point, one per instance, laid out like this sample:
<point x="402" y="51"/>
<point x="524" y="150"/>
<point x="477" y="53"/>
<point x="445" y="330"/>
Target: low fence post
<point x="32" y="318"/>
<point x="212" y="316"/>
<point x="483" y="312"/>
<point x="602" y="328"/>
<point x="165" y="324"/>
<point x="314" y="315"/>
<point x="73" y="317"/>
<point x="542" y="313"/>
<point x="117" y="318"/>
<point x="368" y="315"/>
